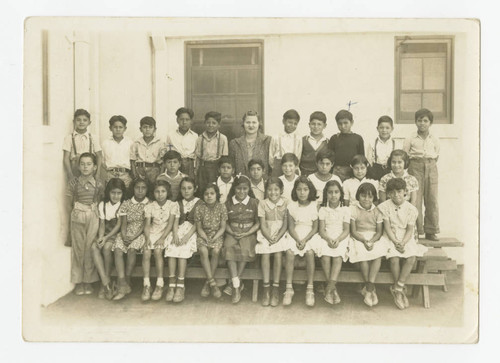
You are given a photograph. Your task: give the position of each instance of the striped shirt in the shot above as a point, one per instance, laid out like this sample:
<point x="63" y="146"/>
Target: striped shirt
<point x="85" y="191"/>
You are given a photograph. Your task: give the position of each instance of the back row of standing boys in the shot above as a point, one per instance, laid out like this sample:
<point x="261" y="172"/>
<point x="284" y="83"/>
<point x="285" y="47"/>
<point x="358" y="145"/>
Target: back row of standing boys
<point x="267" y="208"/>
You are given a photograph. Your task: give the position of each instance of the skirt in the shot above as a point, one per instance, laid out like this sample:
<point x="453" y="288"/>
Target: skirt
<point x="136" y="244"/>
<point x="184" y="251"/>
<point x="264" y="247"/>
<point x="242" y="250"/>
<point x="412" y="248"/>
<point x="321" y="248"/>
<point x="358" y="251"/>
<point x="302" y="231"/>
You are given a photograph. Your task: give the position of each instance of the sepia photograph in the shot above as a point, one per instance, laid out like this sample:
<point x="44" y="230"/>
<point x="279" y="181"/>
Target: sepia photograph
<point x="278" y="180"/>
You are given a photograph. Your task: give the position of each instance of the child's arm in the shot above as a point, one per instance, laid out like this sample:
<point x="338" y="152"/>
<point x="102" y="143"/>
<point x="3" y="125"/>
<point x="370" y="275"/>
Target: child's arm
<point x="355" y="234"/>
<point x="410" y="229"/>
<point x="389" y="232"/>
<point x="67" y="165"/>
<point x="172" y="221"/>
<point x="283" y="229"/>
<point x="265" y="230"/>
<point x="413" y="198"/>
<point x="147" y="230"/>
<point x="100" y="234"/>
<point x="201" y="232"/>
<point x="221" y="230"/>
<point x="187" y="236"/>
<point x="312" y="232"/>
<point x="291" y="228"/>
<point x="322" y="231"/>
<point x="343" y="235"/>
<point x="111" y="233"/>
<point x="252" y="230"/>
<point x="378" y="233"/>
<point x="229" y="229"/>
<point x="123" y="229"/>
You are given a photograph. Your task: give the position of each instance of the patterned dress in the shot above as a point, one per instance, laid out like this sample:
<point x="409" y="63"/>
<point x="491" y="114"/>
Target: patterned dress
<point x="185" y="211"/>
<point x="210" y="218"/>
<point x="411" y="183"/>
<point x="159" y="216"/>
<point x="134" y="211"/>
<point x="274" y="215"/>
<point x="334" y="219"/>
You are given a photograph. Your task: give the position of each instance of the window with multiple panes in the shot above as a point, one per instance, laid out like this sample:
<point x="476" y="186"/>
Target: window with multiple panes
<point x="424" y="78"/>
<point x="224" y="77"/>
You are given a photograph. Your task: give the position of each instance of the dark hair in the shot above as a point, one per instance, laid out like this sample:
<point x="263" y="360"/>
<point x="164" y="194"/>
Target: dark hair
<point x="318" y="115"/>
<point x="213" y="114"/>
<point x="312" y="189"/>
<point x="162" y="183"/>
<point x="81" y="112"/>
<point x="359" y="159"/>
<point x="88" y="155"/>
<point x="399" y="152"/>
<point x="330" y="183"/>
<point x="424" y="112"/>
<point x="172" y="154"/>
<point x="367" y="188"/>
<point x="211" y="186"/>
<point x="385" y="119"/>
<point x="287" y="157"/>
<point x="137" y="181"/>
<point x="274" y="180"/>
<point x="186" y="179"/>
<point x="343" y="114"/>
<point x="254" y="162"/>
<point x="250" y="113"/>
<point x="238" y="180"/>
<point x="182" y="110"/>
<point x="291" y="114"/>
<point x="395" y="184"/>
<point x="148" y="120"/>
<point x="117" y="118"/>
<point x="114" y="183"/>
<point x="225" y="160"/>
<point x="325" y="154"/>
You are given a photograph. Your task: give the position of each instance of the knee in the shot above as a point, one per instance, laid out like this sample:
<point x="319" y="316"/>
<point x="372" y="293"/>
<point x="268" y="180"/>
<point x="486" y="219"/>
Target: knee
<point x="107" y="250"/>
<point x="310" y="254"/>
<point x="394" y="261"/>
<point x="411" y="260"/>
<point x="215" y="252"/>
<point x="158" y="253"/>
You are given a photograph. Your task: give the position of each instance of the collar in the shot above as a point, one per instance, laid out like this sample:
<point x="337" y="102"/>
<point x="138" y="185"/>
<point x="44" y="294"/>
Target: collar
<point x="259" y="186"/>
<point x="194" y="200"/>
<point x="205" y="135"/>
<point x="290" y="135"/>
<point x="165" y="206"/>
<point x="86" y="133"/>
<point x="285" y="180"/>
<point x="396" y="207"/>
<point x="190" y="132"/>
<point x="179" y="174"/>
<point x="384" y="142"/>
<point x="84" y="181"/>
<point x="405" y="174"/>
<point x="430" y="136"/>
<point x="360" y="207"/>
<point x="244" y="201"/>
<point x="222" y="182"/>
<point x="118" y="142"/>
<point x="323" y="138"/>
<point x="141" y="140"/>
<point x="272" y="205"/>
<point x="144" y="201"/>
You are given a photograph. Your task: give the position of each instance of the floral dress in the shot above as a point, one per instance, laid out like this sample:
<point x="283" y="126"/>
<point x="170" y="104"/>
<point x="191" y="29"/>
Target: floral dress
<point x="411" y="183"/>
<point x="210" y="218"/>
<point x="134" y="211"/>
<point x="184" y="210"/>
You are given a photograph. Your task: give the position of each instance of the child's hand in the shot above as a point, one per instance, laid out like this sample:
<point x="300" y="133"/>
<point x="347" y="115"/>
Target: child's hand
<point x="175" y="240"/>
<point x="335" y="243"/>
<point x="400" y="248"/>
<point x="183" y="241"/>
<point x="369" y="245"/>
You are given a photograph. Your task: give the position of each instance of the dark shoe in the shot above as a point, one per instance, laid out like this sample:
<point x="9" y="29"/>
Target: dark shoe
<point x="236" y="295"/>
<point x="275" y="296"/>
<point x="79" y="290"/>
<point x="109" y="292"/>
<point x="228" y="290"/>
<point x="89" y="290"/>
<point x="431" y="237"/>
<point x="215" y="291"/>
<point x="205" y="291"/>
<point x="266" y="296"/>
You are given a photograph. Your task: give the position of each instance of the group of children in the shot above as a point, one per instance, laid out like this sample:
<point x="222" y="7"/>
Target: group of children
<point x="177" y="198"/>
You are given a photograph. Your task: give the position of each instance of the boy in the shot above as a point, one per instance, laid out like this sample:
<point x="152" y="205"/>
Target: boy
<point x="286" y="142"/>
<point x="324" y="164"/>
<point x="289" y="164"/>
<point x="210" y="146"/>
<point x="183" y="140"/>
<point x="378" y="153"/>
<point x="256" y="169"/>
<point x="345" y="145"/>
<point x="80" y="141"/>
<point x="116" y="151"/>
<point x="172" y="161"/>
<point x="313" y="144"/>
<point x="225" y="179"/>
<point x="146" y="152"/>
<point x="423" y="149"/>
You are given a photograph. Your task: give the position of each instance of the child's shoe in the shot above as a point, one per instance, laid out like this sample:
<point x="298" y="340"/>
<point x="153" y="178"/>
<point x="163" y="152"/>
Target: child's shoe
<point x="367" y="296"/>
<point x="205" y="291"/>
<point x="109" y="292"/>
<point x="320" y="289"/>
<point x="100" y="294"/>
<point x="310" y="297"/>
<point x="336" y="297"/>
<point x="398" y="298"/>
<point x="157" y="293"/>
<point x="275" y="296"/>
<point x="405" y="298"/>
<point x="329" y="295"/>
<point x="228" y="290"/>
<point x="374" y="298"/>
<point x="89" y="290"/>
<point x="146" y="293"/>
<point x="287" y="296"/>
<point x="170" y="294"/>
<point x="266" y="296"/>
<point x="215" y="291"/>
<point x="79" y="290"/>
<point x="123" y="289"/>
<point x="236" y="297"/>
<point x="178" y="295"/>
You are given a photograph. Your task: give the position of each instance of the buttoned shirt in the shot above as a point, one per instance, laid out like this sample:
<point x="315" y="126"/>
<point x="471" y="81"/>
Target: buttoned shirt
<point x="184" y="144"/>
<point x="258" y="190"/>
<point x="82" y="143"/>
<point x="380" y="151"/>
<point x="148" y="153"/>
<point x="284" y="143"/>
<point x="418" y="147"/>
<point x="316" y="143"/>
<point x="117" y="154"/>
<point x="211" y="148"/>
<point x="224" y="188"/>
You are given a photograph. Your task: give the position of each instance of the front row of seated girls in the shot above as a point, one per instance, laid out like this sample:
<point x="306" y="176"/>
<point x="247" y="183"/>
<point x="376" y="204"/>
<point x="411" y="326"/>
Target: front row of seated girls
<point x="237" y="231"/>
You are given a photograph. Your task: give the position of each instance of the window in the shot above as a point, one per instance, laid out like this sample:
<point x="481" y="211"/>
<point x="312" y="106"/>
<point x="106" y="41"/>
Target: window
<point x="224" y="77"/>
<point x="423" y="78"/>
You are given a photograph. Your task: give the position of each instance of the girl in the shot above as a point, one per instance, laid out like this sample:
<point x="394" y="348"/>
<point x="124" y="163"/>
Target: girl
<point x="243" y="223"/>
<point x="365" y="245"/>
<point x="159" y="221"/>
<point x="210" y="217"/>
<point x="302" y="228"/>
<point x="398" y="163"/>
<point x="359" y="166"/>
<point x="83" y="194"/>
<point x="131" y="239"/>
<point x="109" y="226"/>
<point x="334" y="232"/>
<point x="182" y="243"/>
<point x="271" y="237"/>
<point x="399" y="225"/>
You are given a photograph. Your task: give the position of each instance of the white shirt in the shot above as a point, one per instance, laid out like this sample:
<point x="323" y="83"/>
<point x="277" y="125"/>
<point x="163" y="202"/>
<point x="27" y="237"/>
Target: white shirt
<point x="82" y="143"/>
<point x="316" y="143"/>
<point x="320" y="185"/>
<point x="117" y="154"/>
<point x="259" y="190"/>
<point x="111" y="210"/>
<point x="284" y="143"/>
<point x="288" y="187"/>
<point x="351" y="187"/>
<point x="224" y="188"/>
<point x="384" y="149"/>
<point x="184" y="144"/>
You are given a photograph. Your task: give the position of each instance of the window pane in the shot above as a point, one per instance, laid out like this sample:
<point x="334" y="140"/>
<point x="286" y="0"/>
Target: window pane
<point x="423" y="48"/>
<point x="410" y="102"/>
<point x="434" y="73"/>
<point x="248" y="80"/>
<point x="225" y="81"/>
<point x="434" y="102"/>
<point x="203" y="82"/>
<point x="411" y="74"/>
<point x="225" y="56"/>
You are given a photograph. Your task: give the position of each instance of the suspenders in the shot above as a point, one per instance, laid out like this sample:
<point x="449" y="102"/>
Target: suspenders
<point x="294" y="144"/>
<point x="375" y="148"/>
<point x="218" y="146"/>
<point x="74" y="145"/>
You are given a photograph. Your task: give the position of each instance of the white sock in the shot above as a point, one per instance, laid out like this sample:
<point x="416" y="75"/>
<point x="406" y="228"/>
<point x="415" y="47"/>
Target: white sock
<point x="147" y="282"/>
<point x="236" y="282"/>
<point x="159" y="281"/>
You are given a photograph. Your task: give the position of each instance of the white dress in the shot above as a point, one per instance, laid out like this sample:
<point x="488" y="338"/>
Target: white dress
<point x="334" y="219"/>
<point x="320" y="185"/>
<point x="186" y="217"/>
<point x="159" y="220"/>
<point x="304" y="216"/>
<point x="288" y="187"/>
<point x="351" y="187"/>
<point x="275" y="215"/>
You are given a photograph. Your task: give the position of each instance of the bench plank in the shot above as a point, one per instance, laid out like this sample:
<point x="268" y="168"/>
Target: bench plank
<point x="443" y="242"/>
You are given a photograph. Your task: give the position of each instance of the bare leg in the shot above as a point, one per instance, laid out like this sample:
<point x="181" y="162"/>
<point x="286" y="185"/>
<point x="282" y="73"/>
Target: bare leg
<point x="266" y="267"/>
<point x="241" y="267"/>
<point x="277" y="267"/>
<point x="172" y="266"/>
<point x="289" y="264"/>
<point x="131" y="256"/>
<point x="120" y="264"/>
<point x="310" y="267"/>
<point x="205" y="262"/>
<point x="182" y="268"/>
<point x="365" y="270"/>
<point x="108" y="258"/>
<point x="374" y="269"/>
<point x="326" y="265"/>
<point x="99" y="264"/>
<point x="395" y="269"/>
<point x="146" y="263"/>
<point x="406" y="270"/>
<point x="214" y="262"/>
<point x="159" y="262"/>
<point x="336" y="267"/>
<point x="233" y="268"/>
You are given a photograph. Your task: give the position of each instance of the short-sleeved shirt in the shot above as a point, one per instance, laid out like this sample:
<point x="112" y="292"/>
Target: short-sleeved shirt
<point x="184" y="144"/>
<point x="175" y="183"/>
<point x="224" y="188"/>
<point x="320" y="185"/>
<point x="84" y="143"/>
<point x="211" y="148"/>
<point x="366" y="220"/>
<point x="411" y="183"/>
<point x="303" y="215"/>
<point x="85" y="191"/>
<point x="379" y="152"/>
<point x="418" y="147"/>
<point x="351" y="186"/>
<point x="334" y="217"/>
<point x="244" y="212"/>
<point x="284" y="143"/>
<point x="288" y="187"/>
<point x="272" y="211"/>
<point x="210" y="216"/>
<point x="399" y="217"/>
<point x="259" y="190"/>
<point x="345" y="147"/>
<point x="111" y="210"/>
<point x="147" y="153"/>
<point x="160" y="215"/>
<point x="117" y="154"/>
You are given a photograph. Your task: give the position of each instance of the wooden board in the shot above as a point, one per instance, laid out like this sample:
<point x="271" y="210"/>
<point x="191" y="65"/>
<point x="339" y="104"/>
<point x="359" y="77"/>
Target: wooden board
<point x="443" y="242"/>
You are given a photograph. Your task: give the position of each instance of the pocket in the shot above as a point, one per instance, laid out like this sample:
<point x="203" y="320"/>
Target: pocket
<point x="78" y="216"/>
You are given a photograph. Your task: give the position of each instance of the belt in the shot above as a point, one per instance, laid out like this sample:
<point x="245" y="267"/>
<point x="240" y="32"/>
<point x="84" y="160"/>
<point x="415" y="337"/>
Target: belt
<point x="241" y="225"/>
<point x="119" y="170"/>
<point x="143" y="164"/>
<point x="84" y="207"/>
